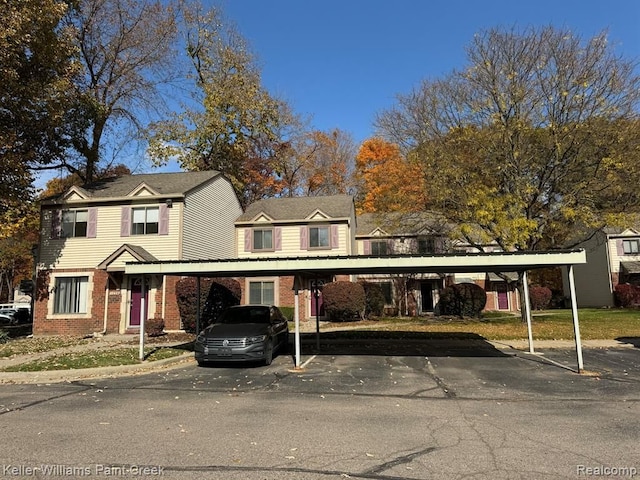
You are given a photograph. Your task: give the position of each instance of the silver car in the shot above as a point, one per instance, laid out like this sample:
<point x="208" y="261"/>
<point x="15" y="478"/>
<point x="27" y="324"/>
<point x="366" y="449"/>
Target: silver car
<point x="244" y="333"/>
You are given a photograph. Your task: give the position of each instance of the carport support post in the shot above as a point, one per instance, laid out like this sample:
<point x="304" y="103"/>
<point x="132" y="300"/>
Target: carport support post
<point x="574" y="315"/>
<point x="296" y="317"/>
<point x="142" y="308"/>
<point x="527" y="309"/>
<point x="197" y="304"/>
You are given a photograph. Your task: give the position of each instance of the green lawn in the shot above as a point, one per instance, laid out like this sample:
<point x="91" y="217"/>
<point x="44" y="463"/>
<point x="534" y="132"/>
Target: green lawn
<point x="595" y="324"/>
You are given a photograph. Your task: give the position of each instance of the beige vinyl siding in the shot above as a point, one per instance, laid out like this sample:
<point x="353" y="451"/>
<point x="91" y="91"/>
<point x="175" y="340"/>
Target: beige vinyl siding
<point x="291" y="242"/>
<point x="89" y="252"/>
<point x="617" y="253"/>
<point x="209" y="215"/>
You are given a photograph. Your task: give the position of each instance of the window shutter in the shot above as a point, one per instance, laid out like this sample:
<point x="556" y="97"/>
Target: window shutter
<point x="304" y="238"/>
<point x="277" y="241"/>
<point x="619" y="246"/>
<point x="92" y="223"/>
<point x="163" y="221"/>
<point x="247" y="240"/>
<point x="367" y="247"/>
<point x="56" y="223"/>
<point x="335" y="236"/>
<point x="125" y="222"/>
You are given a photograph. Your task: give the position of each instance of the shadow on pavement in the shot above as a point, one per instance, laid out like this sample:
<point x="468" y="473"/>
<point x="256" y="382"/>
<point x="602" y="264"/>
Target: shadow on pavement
<point x="399" y="343"/>
<point x="635" y="341"/>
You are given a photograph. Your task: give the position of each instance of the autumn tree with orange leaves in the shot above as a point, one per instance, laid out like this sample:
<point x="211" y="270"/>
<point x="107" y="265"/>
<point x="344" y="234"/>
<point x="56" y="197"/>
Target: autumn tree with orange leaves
<point x="387" y="181"/>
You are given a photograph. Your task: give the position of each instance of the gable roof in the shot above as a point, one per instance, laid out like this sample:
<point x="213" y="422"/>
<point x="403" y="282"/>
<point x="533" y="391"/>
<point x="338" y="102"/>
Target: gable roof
<point x="135" y="251"/>
<point x="400" y="223"/>
<point x="164" y="184"/>
<point x="299" y="208"/>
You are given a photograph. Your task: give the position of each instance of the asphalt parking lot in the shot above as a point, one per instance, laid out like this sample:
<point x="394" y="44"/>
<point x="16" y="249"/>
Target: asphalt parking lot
<point x="369" y="410"/>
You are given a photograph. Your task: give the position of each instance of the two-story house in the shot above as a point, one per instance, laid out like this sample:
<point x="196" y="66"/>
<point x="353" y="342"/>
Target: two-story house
<point x="424" y="233"/>
<point x="613" y="257"/>
<point x="295" y="227"/>
<point x="89" y="233"/>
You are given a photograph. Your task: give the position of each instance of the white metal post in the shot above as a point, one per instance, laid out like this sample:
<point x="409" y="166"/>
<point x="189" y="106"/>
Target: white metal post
<point x="296" y="317"/>
<point x="142" y="308"/>
<point x="574" y="315"/>
<point x="527" y="309"/>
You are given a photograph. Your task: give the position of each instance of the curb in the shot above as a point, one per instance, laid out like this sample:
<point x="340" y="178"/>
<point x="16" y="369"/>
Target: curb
<point x="59" y="376"/>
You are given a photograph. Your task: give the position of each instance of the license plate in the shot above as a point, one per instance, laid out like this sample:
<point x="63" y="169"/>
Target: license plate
<point x="224" y="352"/>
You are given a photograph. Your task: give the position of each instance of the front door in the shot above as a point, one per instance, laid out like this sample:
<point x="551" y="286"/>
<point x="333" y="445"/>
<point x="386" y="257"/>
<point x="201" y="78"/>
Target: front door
<point x="426" y="292"/>
<point x="503" y="296"/>
<point x="136" y="301"/>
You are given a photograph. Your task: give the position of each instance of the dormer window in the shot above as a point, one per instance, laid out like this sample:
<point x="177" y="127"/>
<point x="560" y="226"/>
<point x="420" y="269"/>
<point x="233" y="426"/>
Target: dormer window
<point x="144" y="221"/>
<point x="426" y="245"/>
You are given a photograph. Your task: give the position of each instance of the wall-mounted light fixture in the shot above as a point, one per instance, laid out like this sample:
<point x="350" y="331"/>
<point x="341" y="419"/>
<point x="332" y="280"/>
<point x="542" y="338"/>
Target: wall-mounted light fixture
<point x="169" y="203"/>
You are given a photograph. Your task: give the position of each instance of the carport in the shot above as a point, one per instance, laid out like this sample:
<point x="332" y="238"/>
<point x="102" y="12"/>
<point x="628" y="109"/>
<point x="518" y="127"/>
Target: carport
<point x="521" y="262"/>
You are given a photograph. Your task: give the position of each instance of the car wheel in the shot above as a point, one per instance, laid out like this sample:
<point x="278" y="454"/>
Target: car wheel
<point x="268" y="352"/>
<point x="202" y="363"/>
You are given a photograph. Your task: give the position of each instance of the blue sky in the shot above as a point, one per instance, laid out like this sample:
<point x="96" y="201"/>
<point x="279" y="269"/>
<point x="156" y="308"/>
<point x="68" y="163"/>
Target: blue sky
<point x="342" y="61"/>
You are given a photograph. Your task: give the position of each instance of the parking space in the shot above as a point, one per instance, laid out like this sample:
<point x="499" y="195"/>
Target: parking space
<point x="448" y="370"/>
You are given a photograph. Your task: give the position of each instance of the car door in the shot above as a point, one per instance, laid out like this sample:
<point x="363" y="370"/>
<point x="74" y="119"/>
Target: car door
<point x="279" y="324"/>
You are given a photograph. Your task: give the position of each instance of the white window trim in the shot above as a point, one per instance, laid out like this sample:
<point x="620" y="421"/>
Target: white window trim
<point x="276" y="288"/>
<point x="50" y="301"/>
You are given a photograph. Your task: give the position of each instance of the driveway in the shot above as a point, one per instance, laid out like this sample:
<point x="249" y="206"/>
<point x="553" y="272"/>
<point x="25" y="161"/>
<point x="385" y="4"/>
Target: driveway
<point x="478" y="412"/>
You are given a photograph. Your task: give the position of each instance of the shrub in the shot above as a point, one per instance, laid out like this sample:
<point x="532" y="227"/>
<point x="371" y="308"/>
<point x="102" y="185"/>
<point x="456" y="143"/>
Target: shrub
<point x="374" y="299"/>
<point x="540" y="297"/>
<point x="288" y="313"/>
<point x="626" y="295"/>
<point x="4" y="336"/>
<point x="462" y="300"/>
<point x="154" y="327"/>
<point x="216" y="294"/>
<point x="343" y="301"/>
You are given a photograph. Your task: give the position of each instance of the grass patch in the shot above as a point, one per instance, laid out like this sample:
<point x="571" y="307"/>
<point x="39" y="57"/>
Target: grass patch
<point x="595" y="324"/>
<point x="99" y="358"/>
<point x="26" y="346"/>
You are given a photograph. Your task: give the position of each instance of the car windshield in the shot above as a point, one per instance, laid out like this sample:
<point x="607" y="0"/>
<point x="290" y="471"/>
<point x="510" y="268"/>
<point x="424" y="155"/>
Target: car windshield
<point x="245" y="315"/>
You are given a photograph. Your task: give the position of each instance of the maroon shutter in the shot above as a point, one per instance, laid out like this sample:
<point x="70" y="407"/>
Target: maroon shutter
<point x="390" y="246"/>
<point x="277" y="241"/>
<point x="163" y="221"/>
<point x="92" y="223"/>
<point x="247" y="240"/>
<point x="619" y="246"/>
<point x="367" y="247"/>
<point x="125" y="222"/>
<point x="304" y="238"/>
<point x="335" y="236"/>
<point x="56" y="223"/>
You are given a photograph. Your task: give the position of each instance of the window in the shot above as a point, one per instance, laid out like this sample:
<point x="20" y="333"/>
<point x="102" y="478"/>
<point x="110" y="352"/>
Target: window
<point x="631" y="246"/>
<point x="144" y="221"/>
<point x="71" y="295"/>
<point x="263" y="239"/>
<point x="74" y="223"/>
<point x="379" y="247"/>
<point x="261" y="292"/>
<point x="319" y="237"/>
<point x="426" y="245"/>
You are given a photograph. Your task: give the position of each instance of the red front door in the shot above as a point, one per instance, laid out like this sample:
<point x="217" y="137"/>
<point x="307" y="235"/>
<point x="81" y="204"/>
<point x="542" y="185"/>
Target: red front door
<point x="136" y="302"/>
<point x="503" y="296"/>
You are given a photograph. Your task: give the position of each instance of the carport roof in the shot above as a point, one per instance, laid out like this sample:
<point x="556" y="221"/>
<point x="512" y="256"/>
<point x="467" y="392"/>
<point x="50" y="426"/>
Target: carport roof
<point x="358" y="264"/>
